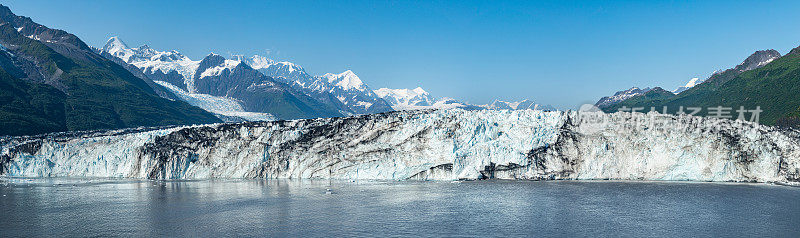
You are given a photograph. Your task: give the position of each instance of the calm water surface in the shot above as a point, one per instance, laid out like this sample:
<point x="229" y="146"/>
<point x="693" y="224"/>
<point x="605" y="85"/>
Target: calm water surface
<point x="69" y="207"/>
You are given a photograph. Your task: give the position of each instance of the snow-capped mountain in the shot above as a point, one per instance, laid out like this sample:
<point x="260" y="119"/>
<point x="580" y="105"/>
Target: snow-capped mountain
<point x="216" y="79"/>
<point x="223" y="77"/>
<point x="450" y="103"/>
<point x="344" y="91"/>
<point x="692" y="82"/>
<point x="352" y="92"/>
<point x="620" y="96"/>
<point x="169" y="70"/>
<point x="519" y="105"/>
<point x="215" y="69"/>
<point x="402" y="99"/>
<point x="348" y="92"/>
<point x="346" y="80"/>
<point x="418" y="98"/>
<point x="168" y="66"/>
<point x="284" y="71"/>
<point x="426" y="145"/>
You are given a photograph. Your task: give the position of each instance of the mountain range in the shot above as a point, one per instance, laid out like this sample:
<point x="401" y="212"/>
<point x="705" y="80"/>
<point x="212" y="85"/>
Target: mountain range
<point x="344" y="91"/>
<point x="217" y="78"/>
<point x="764" y="81"/>
<point x="334" y="94"/>
<point x="53" y="82"/>
<point x="620" y="96"/>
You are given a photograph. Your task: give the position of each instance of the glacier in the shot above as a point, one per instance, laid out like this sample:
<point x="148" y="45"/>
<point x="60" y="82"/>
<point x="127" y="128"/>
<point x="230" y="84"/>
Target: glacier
<point x="449" y="144"/>
<point x="225" y="108"/>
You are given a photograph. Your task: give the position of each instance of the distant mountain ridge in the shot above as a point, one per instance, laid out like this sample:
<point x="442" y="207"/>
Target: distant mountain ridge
<point x="692" y="82"/>
<point x="518" y="105"/>
<point x="418" y="98"/>
<point x="764" y="81"/>
<point x="620" y="96"/>
<point x="344" y="91"/>
<point x="406" y="98"/>
<point x="756" y="60"/>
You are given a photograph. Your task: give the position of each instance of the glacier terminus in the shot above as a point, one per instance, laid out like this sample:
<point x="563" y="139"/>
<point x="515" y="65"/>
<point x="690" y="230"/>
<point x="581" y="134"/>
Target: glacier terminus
<point x="450" y="144"/>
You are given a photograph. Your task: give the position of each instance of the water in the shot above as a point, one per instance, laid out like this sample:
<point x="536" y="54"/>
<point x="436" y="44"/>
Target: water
<point x="64" y="207"/>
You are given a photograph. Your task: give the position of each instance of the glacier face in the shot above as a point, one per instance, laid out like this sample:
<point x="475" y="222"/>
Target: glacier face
<point x="428" y="145"/>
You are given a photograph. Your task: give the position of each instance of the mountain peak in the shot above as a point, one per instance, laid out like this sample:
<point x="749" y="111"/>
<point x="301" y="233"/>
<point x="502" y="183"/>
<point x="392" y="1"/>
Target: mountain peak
<point x="692" y="82"/>
<point x="517" y="105"/>
<point x="291" y="67"/>
<point x="657" y="89"/>
<point x="151" y="60"/>
<point x="214" y="66"/>
<point x="260" y="62"/>
<point x="212" y="60"/>
<point x="27" y="27"/>
<point x="116" y="47"/>
<point x="402" y="99"/>
<point x="632" y="90"/>
<point x="794" y="51"/>
<point x="283" y="68"/>
<point x="347" y="80"/>
<point x="758" y="59"/>
<point x="620" y="96"/>
<point x="115" y="42"/>
<point x="348" y="73"/>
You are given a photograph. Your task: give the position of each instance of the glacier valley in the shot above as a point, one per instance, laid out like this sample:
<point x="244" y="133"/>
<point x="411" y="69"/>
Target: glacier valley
<point x="425" y="145"/>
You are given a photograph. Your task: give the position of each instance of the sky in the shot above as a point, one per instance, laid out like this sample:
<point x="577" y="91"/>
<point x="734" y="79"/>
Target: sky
<point x="562" y="53"/>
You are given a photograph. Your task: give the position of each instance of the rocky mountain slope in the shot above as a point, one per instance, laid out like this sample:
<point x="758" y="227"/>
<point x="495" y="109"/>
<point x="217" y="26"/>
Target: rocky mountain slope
<point x="620" y="96"/>
<point x="52" y="81"/>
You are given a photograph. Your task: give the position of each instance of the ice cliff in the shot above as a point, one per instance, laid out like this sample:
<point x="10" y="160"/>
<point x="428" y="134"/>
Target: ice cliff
<point x="431" y="145"/>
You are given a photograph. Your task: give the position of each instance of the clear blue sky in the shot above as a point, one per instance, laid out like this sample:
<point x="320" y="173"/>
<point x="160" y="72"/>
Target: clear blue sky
<point x="561" y="53"/>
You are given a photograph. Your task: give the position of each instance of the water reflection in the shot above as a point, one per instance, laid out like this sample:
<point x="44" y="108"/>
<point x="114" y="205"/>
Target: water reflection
<point x="107" y="207"/>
